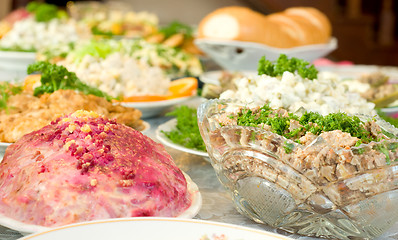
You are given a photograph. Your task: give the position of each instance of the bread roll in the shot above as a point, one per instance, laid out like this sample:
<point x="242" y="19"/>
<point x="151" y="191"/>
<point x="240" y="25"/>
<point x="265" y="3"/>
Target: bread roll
<point x="235" y="23"/>
<point x="291" y="28"/>
<point x="316" y="18"/>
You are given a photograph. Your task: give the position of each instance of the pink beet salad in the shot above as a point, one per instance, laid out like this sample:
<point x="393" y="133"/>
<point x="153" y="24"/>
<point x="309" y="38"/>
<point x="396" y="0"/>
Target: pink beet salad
<point x="84" y="167"/>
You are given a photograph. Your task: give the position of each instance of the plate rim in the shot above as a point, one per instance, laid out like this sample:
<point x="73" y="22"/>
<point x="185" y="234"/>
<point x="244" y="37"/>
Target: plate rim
<point x="165" y="219"/>
<point x="17" y="55"/>
<point x="165" y="141"/>
<point x="190" y="212"/>
<point x="155" y="104"/>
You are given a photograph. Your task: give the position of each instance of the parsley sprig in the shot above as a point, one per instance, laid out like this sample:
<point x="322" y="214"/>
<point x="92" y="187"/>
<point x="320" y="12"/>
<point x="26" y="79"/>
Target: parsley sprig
<point x="283" y="64"/>
<point x="55" y="77"/>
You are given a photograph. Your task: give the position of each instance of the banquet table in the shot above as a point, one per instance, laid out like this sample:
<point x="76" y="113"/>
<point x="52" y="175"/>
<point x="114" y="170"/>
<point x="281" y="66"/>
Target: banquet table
<point x="217" y="204"/>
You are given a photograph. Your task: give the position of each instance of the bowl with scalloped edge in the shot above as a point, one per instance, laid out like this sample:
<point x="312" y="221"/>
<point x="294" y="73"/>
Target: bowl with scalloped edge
<point x="240" y="55"/>
<point x="322" y="186"/>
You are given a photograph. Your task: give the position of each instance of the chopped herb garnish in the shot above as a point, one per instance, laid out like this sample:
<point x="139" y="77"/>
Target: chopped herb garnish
<point x="55" y="77"/>
<point x="283" y="64"/>
<point x="186" y="132"/>
<point x="308" y="122"/>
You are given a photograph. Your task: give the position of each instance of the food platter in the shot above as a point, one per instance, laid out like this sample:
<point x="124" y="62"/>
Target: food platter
<point x="155" y="228"/>
<point x="169" y="125"/>
<point x="188" y="213"/>
<point x="239" y="56"/>
<point x="151" y="109"/>
<point x="16" y="61"/>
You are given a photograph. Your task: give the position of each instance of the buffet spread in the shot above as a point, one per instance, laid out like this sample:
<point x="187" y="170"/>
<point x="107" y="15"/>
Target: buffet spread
<point x="115" y="119"/>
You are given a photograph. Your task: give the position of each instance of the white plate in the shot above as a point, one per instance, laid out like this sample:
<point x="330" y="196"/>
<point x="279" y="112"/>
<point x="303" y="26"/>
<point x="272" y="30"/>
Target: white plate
<point x="239" y="56"/>
<point x="213" y="77"/>
<point x="168" y="126"/>
<point x="16" y="61"/>
<point x="189" y="213"/>
<point x="154" y="228"/>
<point x="151" y="109"/>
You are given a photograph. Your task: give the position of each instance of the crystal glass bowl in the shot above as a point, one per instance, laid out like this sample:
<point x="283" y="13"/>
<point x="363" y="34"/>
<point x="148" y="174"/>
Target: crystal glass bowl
<point x="319" y="190"/>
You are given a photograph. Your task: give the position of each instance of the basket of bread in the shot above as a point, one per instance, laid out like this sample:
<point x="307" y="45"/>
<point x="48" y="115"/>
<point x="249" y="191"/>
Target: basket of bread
<point x="237" y="37"/>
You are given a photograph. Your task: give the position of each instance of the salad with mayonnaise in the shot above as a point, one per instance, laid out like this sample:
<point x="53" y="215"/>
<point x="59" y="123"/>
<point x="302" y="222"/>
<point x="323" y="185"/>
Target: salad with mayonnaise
<point x="130" y="67"/>
<point x="282" y="86"/>
<point x="45" y="26"/>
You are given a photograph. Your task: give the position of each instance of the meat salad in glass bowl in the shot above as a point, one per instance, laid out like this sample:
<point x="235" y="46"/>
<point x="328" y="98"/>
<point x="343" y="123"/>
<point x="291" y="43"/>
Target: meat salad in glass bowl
<point x="332" y="176"/>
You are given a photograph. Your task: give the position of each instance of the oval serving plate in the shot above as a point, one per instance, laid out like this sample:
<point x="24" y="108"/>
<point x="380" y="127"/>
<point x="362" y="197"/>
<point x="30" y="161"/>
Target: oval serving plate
<point x="191" y="212"/>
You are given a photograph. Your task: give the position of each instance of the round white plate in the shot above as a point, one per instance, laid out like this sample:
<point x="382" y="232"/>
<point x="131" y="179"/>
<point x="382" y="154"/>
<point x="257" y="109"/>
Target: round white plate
<point x="191" y="212"/>
<point x="155" y="228"/>
<point x="213" y="77"/>
<point x="151" y="109"/>
<point x="168" y="126"/>
<point x="239" y="56"/>
<point x="16" y="61"/>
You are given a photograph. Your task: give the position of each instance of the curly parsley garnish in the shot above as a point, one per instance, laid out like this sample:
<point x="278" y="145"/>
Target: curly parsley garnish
<point x="283" y="64"/>
<point x="186" y="132"/>
<point x="309" y="122"/>
<point x="55" y="77"/>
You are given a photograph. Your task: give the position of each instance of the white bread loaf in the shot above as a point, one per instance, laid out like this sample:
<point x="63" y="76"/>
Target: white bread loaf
<point x="293" y="27"/>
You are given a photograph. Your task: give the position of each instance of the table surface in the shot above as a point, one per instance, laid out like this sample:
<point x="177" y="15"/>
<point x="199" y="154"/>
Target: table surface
<point x="217" y="204"/>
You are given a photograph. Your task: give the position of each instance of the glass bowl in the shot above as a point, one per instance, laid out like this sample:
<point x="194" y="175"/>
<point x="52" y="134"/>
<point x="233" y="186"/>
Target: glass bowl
<point x="319" y="189"/>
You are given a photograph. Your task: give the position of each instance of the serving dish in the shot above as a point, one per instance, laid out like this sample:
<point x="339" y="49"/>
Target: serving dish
<point x="239" y="55"/>
<point x="191" y="212"/>
<point x="16" y="61"/>
<point x="168" y="126"/>
<point x="166" y="228"/>
<point x="269" y="185"/>
<point x="151" y="109"/>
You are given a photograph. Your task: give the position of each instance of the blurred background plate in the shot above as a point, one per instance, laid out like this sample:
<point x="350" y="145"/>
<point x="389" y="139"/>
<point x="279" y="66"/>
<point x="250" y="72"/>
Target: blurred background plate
<point x="16" y="61"/>
<point x="239" y="56"/>
<point x="151" y="109"/>
<point x="155" y="228"/>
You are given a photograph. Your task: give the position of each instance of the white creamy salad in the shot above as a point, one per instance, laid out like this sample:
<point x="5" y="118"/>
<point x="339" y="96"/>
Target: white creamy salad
<point x="325" y="95"/>
<point x="120" y="75"/>
<point x="30" y="35"/>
